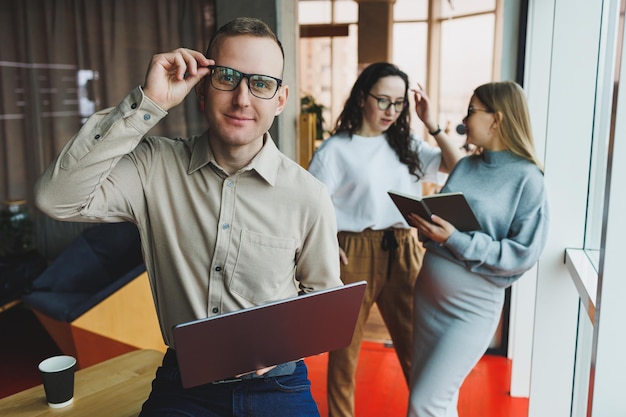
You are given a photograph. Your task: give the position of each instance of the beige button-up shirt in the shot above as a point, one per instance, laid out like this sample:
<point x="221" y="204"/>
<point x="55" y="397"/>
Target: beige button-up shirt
<point x="212" y="242"/>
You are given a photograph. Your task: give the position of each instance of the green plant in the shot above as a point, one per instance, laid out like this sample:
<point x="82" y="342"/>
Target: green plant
<point x="309" y="105"/>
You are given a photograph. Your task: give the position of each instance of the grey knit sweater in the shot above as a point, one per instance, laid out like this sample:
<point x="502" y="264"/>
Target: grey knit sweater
<point x="508" y="196"/>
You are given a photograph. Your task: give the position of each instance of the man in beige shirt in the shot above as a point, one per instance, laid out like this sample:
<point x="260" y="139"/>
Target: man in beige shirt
<point x="226" y="220"/>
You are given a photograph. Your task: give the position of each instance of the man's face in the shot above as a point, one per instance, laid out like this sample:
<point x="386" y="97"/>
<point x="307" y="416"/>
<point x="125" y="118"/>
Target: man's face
<point x="238" y="118"/>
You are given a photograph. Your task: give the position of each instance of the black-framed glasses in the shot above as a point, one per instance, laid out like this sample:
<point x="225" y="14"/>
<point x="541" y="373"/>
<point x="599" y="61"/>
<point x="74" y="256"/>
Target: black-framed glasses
<point x="471" y="110"/>
<point x="384" y="103"/>
<point x="228" y="79"/>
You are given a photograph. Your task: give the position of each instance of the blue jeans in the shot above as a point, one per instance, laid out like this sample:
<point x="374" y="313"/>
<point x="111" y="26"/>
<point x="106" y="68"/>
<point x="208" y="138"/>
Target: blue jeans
<point x="288" y="395"/>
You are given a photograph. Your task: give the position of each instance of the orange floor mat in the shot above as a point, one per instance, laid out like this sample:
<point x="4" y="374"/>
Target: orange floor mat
<point x="381" y="390"/>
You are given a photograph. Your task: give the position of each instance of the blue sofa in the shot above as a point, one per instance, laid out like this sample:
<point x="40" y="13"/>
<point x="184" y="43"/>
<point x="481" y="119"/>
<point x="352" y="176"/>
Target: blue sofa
<point x="97" y="263"/>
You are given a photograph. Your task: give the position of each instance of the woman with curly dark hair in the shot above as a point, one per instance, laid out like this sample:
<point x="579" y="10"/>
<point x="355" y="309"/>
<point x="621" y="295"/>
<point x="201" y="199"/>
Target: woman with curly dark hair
<point x="372" y="151"/>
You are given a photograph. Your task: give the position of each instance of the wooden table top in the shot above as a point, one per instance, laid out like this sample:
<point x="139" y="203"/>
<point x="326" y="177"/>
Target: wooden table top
<point x="113" y="388"/>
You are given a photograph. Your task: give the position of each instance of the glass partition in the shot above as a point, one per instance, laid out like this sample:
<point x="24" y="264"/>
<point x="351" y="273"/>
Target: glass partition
<point x="608" y="78"/>
<point x="586" y="274"/>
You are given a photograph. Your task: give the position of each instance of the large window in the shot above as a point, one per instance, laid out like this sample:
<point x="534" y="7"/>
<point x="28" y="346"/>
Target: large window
<point x="607" y="79"/>
<point x="328" y="55"/>
<point x="448" y="47"/>
<point x="585" y="272"/>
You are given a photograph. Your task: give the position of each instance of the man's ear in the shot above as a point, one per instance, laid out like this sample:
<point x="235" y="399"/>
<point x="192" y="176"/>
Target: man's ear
<point x="200" y="92"/>
<point x="283" y="95"/>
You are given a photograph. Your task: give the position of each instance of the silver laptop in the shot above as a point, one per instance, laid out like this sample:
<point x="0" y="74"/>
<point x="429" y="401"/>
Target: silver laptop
<point x="234" y="343"/>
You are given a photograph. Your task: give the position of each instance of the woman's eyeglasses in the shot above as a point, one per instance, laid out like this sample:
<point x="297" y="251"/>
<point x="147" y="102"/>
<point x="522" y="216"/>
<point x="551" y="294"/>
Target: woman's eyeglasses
<point x="384" y="103"/>
<point x="471" y="110"/>
<point x="228" y="79"/>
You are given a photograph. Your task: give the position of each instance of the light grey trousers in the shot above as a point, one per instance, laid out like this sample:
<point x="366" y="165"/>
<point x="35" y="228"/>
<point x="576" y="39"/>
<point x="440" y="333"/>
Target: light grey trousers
<point x="456" y="314"/>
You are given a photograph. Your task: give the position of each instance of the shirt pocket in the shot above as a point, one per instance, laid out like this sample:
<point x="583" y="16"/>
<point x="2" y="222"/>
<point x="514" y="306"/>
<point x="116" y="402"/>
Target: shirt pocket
<point x="265" y="268"/>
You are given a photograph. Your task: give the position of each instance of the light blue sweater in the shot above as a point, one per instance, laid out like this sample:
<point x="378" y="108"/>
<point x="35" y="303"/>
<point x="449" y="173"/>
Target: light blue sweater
<point x="508" y="196"/>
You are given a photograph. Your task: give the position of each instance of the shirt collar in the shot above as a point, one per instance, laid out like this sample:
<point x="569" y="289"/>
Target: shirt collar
<point x="265" y="163"/>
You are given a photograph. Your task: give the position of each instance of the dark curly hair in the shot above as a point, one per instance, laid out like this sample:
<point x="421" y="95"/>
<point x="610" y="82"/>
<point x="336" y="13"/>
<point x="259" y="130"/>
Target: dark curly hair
<point x="399" y="133"/>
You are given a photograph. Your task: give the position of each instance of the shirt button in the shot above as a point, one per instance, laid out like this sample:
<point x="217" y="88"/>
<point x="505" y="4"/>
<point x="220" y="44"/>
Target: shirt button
<point x="225" y="226"/>
<point x="97" y="137"/>
<point x="215" y="310"/>
<point x="229" y="183"/>
<point x="133" y="106"/>
<point x="146" y="116"/>
<point x="218" y="268"/>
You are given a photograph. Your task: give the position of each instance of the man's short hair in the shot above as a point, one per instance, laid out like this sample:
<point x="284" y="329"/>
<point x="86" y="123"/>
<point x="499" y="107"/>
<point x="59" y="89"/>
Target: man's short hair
<point x="244" y="26"/>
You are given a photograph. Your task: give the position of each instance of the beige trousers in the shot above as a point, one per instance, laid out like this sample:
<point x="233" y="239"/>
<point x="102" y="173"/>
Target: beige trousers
<point x="390" y="274"/>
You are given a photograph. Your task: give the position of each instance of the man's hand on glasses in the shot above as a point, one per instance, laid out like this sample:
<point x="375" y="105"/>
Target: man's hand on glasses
<point x="172" y="75"/>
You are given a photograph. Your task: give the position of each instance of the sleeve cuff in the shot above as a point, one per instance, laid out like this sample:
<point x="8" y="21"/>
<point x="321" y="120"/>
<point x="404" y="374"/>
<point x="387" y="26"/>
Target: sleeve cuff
<point x="140" y="111"/>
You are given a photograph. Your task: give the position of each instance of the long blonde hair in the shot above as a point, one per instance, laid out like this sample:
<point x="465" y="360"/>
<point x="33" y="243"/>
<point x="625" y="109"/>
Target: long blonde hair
<point x="507" y="98"/>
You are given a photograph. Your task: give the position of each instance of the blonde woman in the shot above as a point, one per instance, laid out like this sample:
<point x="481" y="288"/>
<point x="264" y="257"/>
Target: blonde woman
<point x="459" y="293"/>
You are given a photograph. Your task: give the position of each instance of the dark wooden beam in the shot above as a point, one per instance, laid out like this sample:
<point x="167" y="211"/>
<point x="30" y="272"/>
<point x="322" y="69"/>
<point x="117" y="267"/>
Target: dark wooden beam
<point x="318" y="31"/>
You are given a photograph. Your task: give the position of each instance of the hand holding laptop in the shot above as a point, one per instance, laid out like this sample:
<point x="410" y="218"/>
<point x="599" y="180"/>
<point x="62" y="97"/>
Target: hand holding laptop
<point x="259" y="372"/>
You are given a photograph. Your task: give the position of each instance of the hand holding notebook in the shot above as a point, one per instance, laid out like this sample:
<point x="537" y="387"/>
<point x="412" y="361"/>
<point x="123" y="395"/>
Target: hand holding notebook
<point x="452" y="207"/>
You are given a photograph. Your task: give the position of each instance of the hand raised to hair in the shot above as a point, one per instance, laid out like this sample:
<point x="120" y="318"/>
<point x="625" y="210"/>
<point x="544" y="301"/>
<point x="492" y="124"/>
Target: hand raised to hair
<point x="422" y="107"/>
<point x="172" y="75"/>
